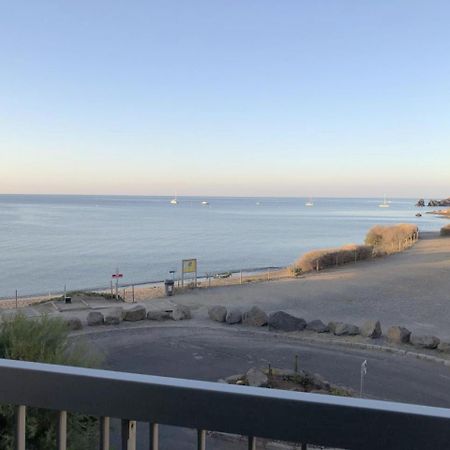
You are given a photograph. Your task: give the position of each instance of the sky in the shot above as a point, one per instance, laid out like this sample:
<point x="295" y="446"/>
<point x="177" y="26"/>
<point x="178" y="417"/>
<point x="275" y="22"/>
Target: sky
<point x="225" y="97"/>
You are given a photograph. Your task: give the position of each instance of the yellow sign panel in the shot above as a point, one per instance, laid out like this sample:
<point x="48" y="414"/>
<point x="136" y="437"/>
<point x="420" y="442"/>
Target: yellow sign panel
<point x="189" y="265"/>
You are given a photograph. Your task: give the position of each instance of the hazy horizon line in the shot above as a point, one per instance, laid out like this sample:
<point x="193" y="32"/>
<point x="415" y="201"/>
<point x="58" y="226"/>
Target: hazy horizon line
<point x="212" y="196"/>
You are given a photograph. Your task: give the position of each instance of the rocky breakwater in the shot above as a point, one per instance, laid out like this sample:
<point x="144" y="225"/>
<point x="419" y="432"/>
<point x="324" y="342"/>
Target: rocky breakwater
<point x="433" y="203"/>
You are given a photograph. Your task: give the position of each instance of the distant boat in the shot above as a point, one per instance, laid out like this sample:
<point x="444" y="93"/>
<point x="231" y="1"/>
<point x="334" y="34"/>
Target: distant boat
<point x="309" y="202"/>
<point x="205" y="203"/>
<point x="174" y="201"/>
<point x="385" y="203"/>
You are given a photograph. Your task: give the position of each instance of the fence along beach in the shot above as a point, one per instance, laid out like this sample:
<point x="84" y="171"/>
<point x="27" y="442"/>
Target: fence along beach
<point x="380" y="241"/>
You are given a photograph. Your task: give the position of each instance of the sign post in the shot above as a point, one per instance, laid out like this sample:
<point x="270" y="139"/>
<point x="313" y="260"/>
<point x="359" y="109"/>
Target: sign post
<point x="116" y="276"/>
<point x="363" y="374"/>
<point x="189" y="266"/>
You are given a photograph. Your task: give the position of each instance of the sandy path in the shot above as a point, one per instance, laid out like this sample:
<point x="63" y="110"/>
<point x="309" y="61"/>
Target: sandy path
<point x="410" y="288"/>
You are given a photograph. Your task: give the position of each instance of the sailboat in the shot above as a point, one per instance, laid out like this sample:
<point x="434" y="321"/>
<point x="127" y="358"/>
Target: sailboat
<point x="205" y="203"/>
<point x="174" y="201"/>
<point x="385" y="203"/>
<point x="309" y="202"/>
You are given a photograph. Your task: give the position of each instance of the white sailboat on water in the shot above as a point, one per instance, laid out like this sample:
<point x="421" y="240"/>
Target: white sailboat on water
<point x="385" y="203"/>
<point x="309" y="202"/>
<point x="174" y="201"/>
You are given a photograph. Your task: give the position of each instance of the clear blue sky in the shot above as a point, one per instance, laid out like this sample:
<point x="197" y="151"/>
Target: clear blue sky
<point x="225" y="97"/>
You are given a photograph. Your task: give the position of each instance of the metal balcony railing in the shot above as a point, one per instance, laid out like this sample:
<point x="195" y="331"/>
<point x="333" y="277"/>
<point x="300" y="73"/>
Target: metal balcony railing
<point x="325" y="420"/>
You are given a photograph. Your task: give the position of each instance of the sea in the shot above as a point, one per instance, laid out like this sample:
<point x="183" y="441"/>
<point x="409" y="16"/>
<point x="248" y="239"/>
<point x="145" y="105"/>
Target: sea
<point x="51" y="241"/>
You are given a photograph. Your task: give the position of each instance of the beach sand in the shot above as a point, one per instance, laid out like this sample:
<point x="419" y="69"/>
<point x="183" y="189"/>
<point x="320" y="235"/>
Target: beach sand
<point x="411" y="288"/>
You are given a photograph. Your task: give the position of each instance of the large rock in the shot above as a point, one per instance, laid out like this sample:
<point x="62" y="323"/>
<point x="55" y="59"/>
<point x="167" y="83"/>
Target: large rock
<point x="233" y="316"/>
<point x="444" y="202"/>
<point x="254" y="317"/>
<point x="94" y="318"/>
<point x="256" y="378"/>
<point x="345" y="329"/>
<point x="113" y="316"/>
<point x="318" y="326"/>
<point x="217" y="313"/>
<point x="159" y="315"/>
<point x="424" y="341"/>
<point x="135" y="313"/>
<point x="444" y="346"/>
<point x="283" y="321"/>
<point x="398" y="335"/>
<point x="181" y="312"/>
<point x="332" y="326"/>
<point x="74" y="323"/>
<point x="371" y="329"/>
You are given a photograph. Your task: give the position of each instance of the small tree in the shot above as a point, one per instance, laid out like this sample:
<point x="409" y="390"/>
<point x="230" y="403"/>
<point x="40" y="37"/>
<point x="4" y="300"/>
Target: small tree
<point x="44" y="340"/>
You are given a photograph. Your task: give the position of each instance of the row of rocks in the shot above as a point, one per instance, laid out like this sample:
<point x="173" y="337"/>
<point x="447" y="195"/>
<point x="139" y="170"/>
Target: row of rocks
<point x="401" y="335"/>
<point x="115" y="316"/>
<point x="282" y="321"/>
<point x="253" y="317"/>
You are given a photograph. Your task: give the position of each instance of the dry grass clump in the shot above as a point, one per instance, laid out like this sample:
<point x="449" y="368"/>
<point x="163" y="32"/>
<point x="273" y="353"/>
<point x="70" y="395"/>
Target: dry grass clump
<point x="391" y="239"/>
<point x="445" y="230"/>
<point x="321" y="259"/>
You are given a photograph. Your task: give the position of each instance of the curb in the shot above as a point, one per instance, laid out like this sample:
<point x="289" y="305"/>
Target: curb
<point x="308" y="339"/>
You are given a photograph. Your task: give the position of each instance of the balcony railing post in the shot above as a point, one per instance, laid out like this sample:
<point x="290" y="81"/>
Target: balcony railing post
<point x="201" y="440"/>
<point x="154" y="436"/>
<point x="61" y="436"/>
<point x="128" y="435"/>
<point x="21" y="415"/>
<point x="104" y="433"/>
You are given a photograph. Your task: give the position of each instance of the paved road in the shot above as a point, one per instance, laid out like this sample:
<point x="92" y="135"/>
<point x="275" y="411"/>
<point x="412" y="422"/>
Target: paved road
<point x="212" y="353"/>
<point x="410" y="289"/>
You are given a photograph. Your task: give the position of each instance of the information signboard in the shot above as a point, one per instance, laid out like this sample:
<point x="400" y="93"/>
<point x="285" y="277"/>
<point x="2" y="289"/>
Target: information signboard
<point x="188" y="266"/>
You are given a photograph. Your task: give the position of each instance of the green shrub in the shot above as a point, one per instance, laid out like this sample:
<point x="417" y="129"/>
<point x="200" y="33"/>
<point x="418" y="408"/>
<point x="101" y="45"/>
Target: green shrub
<point x="392" y="238"/>
<point x="44" y="340"/>
<point x="445" y="230"/>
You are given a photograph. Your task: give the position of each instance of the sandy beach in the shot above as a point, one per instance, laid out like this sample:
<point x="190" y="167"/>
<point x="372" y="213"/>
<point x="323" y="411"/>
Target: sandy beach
<point x="409" y="288"/>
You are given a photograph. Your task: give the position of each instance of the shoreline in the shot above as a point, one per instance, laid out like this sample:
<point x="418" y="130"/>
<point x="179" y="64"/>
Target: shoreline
<point x="155" y="289"/>
<point x="132" y="293"/>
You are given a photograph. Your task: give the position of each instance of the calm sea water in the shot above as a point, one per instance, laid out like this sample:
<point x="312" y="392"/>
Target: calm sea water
<point x="49" y="241"/>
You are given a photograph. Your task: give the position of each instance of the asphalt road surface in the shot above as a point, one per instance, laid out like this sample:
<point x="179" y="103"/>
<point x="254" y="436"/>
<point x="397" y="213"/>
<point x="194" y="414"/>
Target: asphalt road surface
<point x="211" y="353"/>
